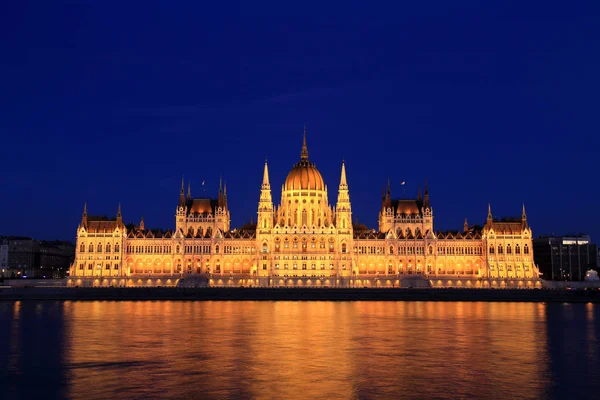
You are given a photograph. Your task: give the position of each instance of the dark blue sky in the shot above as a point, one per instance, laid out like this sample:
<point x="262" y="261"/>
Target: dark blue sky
<point x="110" y="102"/>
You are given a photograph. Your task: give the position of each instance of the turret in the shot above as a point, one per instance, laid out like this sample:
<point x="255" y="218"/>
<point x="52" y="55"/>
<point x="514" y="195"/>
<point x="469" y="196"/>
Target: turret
<point x="182" y="194"/>
<point x="142" y="226"/>
<point x="265" y="203"/>
<point x="84" y="216"/>
<point x="119" y="216"/>
<point x="189" y="193"/>
<point x="524" y="223"/>
<point x="466" y="225"/>
<point x="343" y="209"/>
<point x="426" y="202"/>
<point x="490" y="218"/>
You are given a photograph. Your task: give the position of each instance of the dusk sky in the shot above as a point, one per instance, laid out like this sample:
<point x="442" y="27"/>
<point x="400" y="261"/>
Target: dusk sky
<point x="491" y="102"/>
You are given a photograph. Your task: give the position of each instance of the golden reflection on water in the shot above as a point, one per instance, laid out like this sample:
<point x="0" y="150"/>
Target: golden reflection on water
<point x="299" y="350"/>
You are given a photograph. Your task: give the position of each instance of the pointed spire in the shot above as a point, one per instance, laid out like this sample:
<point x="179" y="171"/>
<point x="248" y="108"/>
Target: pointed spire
<point x="84" y="215"/>
<point x="490" y="218"/>
<point x="119" y="216"/>
<point x="523" y="214"/>
<point x="343" y="177"/>
<point x="221" y="184"/>
<point x="419" y="194"/>
<point x="189" y="194"/>
<point x="466" y="225"/>
<point x="142" y="226"/>
<point x="304" y="152"/>
<point x="426" y="196"/>
<point x="524" y="218"/>
<point x="182" y="193"/>
<point x="266" y="175"/>
<point x="389" y="188"/>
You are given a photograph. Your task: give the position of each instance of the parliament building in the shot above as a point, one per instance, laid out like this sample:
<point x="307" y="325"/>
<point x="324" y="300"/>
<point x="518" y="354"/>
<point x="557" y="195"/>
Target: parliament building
<point x="304" y="241"/>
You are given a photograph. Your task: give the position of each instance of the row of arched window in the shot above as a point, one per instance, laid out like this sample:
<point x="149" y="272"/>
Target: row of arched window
<point x="107" y="248"/>
<point x="509" y="249"/>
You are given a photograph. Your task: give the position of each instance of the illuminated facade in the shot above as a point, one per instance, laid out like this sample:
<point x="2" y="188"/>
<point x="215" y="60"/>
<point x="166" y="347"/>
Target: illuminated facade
<point x="305" y="241"/>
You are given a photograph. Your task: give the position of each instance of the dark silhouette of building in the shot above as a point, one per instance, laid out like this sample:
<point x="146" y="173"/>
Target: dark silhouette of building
<point x="32" y="258"/>
<point x="565" y="257"/>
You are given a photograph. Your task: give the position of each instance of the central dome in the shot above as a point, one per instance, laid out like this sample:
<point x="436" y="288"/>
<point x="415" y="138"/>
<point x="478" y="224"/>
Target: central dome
<point x="304" y="175"/>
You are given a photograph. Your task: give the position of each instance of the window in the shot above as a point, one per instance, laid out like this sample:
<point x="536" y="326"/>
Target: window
<point x="91" y="248"/>
<point x="508" y="249"/>
<point x="344" y="247"/>
<point x="526" y="249"/>
<point x="491" y="249"/>
<point x="264" y="248"/>
<point x="99" y="248"/>
<point x="517" y="249"/>
<point x="500" y="249"/>
<point x="108" y="248"/>
<point x="82" y="248"/>
<point x="107" y="266"/>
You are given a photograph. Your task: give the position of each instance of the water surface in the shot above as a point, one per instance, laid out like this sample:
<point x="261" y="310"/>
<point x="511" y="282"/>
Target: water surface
<point x="298" y="350"/>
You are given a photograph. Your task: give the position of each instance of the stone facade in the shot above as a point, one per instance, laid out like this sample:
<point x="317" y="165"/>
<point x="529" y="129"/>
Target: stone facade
<point x="305" y="241"/>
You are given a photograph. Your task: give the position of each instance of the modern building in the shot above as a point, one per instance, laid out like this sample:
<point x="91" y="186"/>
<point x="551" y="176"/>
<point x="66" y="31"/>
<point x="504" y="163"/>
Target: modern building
<point x="27" y="257"/>
<point x="305" y="241"/>
<point x="3" y="256"/>
<point x="565" y="258"/>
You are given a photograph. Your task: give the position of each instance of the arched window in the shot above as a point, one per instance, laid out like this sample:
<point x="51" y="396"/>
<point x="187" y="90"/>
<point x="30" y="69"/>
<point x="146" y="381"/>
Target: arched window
<point x="116" y="247"/>
<point x="304" y="218"/>
<point x="499" y="249"/>
<point x="491" y="249"/>
<point x="517" y="249"/>
<point x="391" y="249"/>
<point x="82" y="248"/>
<point x="407" y="231"/>
<point x="209" y="231"/>
<point x="526" y="249"/>
<point x="417" y="231"/>
<point x="430" y="250"/>
<point x="343" y="247"/>
<point x="508" y="249"/>
<point x="264" y="247"/>
<point x="99" y="248"/>
<point x="108" y="248"/>
<point x="178" y="248"/>
<point x="216" y="249"/>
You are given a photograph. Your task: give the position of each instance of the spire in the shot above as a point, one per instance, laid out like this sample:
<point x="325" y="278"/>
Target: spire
<point x="119" y="216"/>
<point x="142" y="224"/>
<point x="389" y="188"/>
<point x="524" y="218"/>
<point x="343" y="177"/>
<point x="304" y="152"/>
<point x="181" y="193"/>
<point x="189" y="194"/>
<point x="221" y="184"/>
<point x="84" y="215"/>
<point x="426" y="196"/>
<point x="266" y="175"/>
<point x="466" y="225"/>
<point x="419" y="194"/>
<point x="490" y="218"/>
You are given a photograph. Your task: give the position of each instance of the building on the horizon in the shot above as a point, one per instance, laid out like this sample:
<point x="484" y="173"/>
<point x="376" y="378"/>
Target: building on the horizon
<point x="3" y="255"/>
<point x="565" y="258"/>
<point x="305" y="241"/>
<point x="30" y="258"/>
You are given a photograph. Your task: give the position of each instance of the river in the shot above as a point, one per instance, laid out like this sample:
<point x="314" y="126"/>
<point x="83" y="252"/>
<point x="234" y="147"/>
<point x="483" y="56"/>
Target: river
<point x="298" y="350"/>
